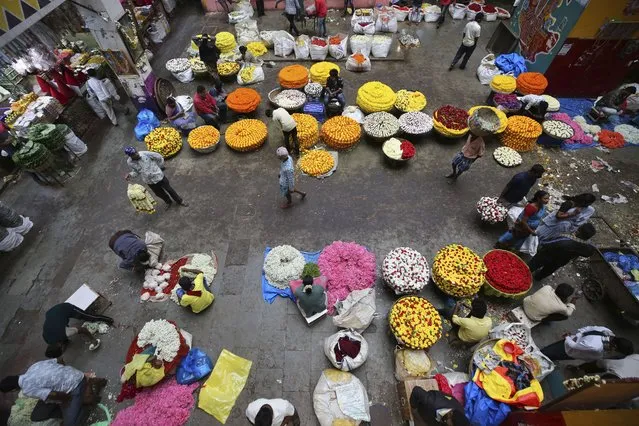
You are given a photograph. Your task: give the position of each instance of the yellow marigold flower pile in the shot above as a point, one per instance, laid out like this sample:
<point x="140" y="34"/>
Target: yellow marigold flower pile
<point x="320" y="70"/>
<point x="166" y="141"/>
<point x="293" y="77"/>
<point x="503" y="120"/>
<point x="375" y="96"/>
<point x="341" y="132"/>
<point x="197" y="65"/>
<point x="225" y="41"/>
<point x="257" y="48"/>
<point x="247" y="73"/>
<point x="503" y="83"/>
<point x="246" y="135"/>
<point x="203" y="137"/>
<point x="228" y="68"/>
<point x="458" y="271"/>
<point x="521" y="133"/>
<point x="316" y="162"/>
<point x="307" y="130"/>
<point x="408" y="101"/>
<point x="415" y="322"/>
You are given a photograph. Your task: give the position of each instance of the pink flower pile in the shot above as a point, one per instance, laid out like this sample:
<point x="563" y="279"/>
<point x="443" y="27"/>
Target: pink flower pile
<point x="348" y="267"/>
<point x="167" y="404"/>
<point x="579" y="137"/>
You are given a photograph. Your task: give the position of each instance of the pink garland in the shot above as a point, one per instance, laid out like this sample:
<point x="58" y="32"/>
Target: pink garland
<point x="348" y="267"/>
<point x="579" y="137"/>
<point x="167" y="404"/>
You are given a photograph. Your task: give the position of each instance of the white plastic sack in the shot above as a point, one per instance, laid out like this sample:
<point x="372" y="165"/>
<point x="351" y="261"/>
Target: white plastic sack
<point x="530" y="246"/>
<point x="367" y="28"/>
<point x="356" y="311"/>
<point x="244" y="6"/>
<point x="381" y="46"/>
<point x="487" y="69"/>
<point x="154" y="244"/>
<point x="432" y="13"/>
<point x="247" y="32"/>
<point x="329" y="403"/>
<point x="237" y="16"/>
<point x="386" y="23"/>
<point x="353" y="65"/>
<point x="411" y="364"/>
<point x="319" y="53"/>
<point x="258" y="75"/>
<point x="356" y="114"/>
<point x="169" y="5"/>
<point x="11" y="241"/>
<point x="268" y="37"/>
<point x="415" y="15"/>
<point x="490" y="17"/>
<point x="24" y="227"/>
<point x="457" y="11"/>
<point x="470" y="15"/>
<point x="157" y="34"/>
<point x="185" y="101"/>
<point x="283" y="43"/>
<point x="74" y="144"/>
<point x="302" y="47"/>
<point x="362" y="44"/>
<point x="185" y="76"/>
<point x="339" y="51"/>
<point x="347" y="363"/>
<point x="400" y="15"/>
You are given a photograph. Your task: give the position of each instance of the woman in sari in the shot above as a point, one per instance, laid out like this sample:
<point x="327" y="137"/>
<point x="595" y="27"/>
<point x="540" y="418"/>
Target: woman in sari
<point x="180" y="119"/>
<point x="527" y="222"/>
<point x="573" y="213"/>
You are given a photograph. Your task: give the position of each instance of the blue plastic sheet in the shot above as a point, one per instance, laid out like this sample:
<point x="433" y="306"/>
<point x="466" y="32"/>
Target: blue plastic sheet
<point x="480" y="409"/>
<point x="193" y="367"/>
<point x="512" y="63"/>
<point x="627" y="262"/>
<point x="147" y="121"/>
<point x="269" y="292"/>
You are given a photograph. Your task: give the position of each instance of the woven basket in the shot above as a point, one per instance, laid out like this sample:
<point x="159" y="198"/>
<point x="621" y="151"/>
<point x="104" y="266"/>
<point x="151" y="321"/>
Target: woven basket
<point x="492" y="291"/>
<point x="400" y="341"/>
<point x="484" y="122"/>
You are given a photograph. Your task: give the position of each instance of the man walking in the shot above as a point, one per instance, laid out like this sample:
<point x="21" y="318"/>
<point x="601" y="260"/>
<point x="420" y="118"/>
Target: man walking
<point x="472" y="31"/>
<point x="520" y="184"/>
<point x="289" y="129"/>
<point x="148" y="165"/>
<point x="287" y="177"/>
<point x="100" y="91"/>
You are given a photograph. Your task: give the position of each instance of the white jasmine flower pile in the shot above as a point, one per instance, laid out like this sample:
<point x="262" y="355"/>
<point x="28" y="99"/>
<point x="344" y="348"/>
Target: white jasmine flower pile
<point x="415" y="123"/>
<point x="313" y="90"/>
<point x="629" y="133"/>
<point x="405" y="270"/>
<point x="381" y="125"/>
<point x="283" y="264"/>
<point x="157" y="278"/>
<point x="177" y="65"/>
<point x="490" y="210"/>
<point x="163" y="335"/>
<point x="589" y="129"/>
<point x="507" y="157"/>
<point x="393" y="148"/>
<point x="558" y="129"/>
<point x="290" y="99"/>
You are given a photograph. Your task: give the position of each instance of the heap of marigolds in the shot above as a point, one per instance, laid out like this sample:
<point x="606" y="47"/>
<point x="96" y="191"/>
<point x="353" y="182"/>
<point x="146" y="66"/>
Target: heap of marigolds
<point x="246" y="135"/>
<point x="320" y="71"/>
<point x="521" y="133"/>
<point x="341" y="132"/>
<point x="243" y="100"/>
<point x="228" y="68"/>
<point x="307" y="130"/>
<point x="415" y="322"/>
<point x="375" y="96"/>
<point x="203" y="137"/>
<point x="316" y="162"/>
<point x="408" y="101"/>
<point x="166" y="141"/>
<point x="293" y="77"/>
<point x="458" y="271"/>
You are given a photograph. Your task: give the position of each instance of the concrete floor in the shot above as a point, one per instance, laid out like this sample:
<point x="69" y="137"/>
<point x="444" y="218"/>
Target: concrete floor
<point x="234" y="212"/>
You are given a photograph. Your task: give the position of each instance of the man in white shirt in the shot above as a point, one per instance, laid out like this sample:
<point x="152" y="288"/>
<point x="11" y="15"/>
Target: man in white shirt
<point x="472" y="31"/>
<point x="100" y="91"/>
<point x="589" y="344"/>
<point x="289" y="129"/>
<point x="272" y="412"/>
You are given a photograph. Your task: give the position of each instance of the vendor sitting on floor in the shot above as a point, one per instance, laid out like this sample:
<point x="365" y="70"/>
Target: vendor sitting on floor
<point x="334" y="88"/>
<point x="206" y="107"/>
<point x="476" y="326"/>
<point x="180" y="119"/>
<point x="611" y="103"/>
<point x="311" y="298"/>
<point x="547" y="304"/>
<point x="131" y="249"/>
<point x="195" y="293"/>
<point x="247" y="57"/>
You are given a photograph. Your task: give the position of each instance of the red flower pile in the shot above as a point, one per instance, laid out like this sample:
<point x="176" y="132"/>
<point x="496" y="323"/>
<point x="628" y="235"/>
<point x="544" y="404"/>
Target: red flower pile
<point x="452" y="117"/>
<point x="611" y="139"/>
<point x="475" y="7"/>
<point x="318" y="42"/>
<point x="507" y="272"/>
<point x="408" y="149"/>
<point x="489" y="8"/>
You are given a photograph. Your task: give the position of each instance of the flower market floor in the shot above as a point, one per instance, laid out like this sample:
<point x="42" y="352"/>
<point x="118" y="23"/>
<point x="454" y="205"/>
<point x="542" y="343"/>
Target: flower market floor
<point x="234" y="212"/>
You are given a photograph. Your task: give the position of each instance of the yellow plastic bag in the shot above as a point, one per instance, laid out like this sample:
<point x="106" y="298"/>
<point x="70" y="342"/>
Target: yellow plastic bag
<point x="218" y="394"/>
<point x="136" y="364"/>
<point x="148" y="376"/>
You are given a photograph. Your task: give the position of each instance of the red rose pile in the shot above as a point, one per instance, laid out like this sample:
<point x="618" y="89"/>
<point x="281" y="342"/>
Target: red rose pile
<point x="452" y="117"/>
<point x="489" y="8"/>
<point x="507" y="273"/>
<point x="318" y="42"/>
<point x="475" y="7"/>
<point x="408" y="150"/>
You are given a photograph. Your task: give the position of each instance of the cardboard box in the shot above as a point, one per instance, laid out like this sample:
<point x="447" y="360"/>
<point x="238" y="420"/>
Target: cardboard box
<point x="404" y="389"/>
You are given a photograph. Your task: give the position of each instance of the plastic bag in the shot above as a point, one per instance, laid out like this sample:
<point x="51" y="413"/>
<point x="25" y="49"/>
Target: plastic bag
<point x="364" y="27"/>
<point x="154" y="244"/>
<point x="490" y="17"/>
<point x="530" y="246"/>
<point x="381" y="46"/>
<point x="432" y="13"/>
<point x="318" y="53"/>
<point x="11" y="241"/>
<point x="487" y="69"/>
<point x="302" y="47"/>
<point x="356" y="311"/>
<point x="244" y="6"/>
<point x="74" y="144"/>
<point x="347" y="363"/>
<point x="362" y="44"/>
<point x="411" y="364"/>
<point x="400" y="14"/>
<point x="340" y="50"/>
<point x="268" y="37"/>
<point x="219" y="392"/>
<point x="356" y="114"/>
<point x="147" y="121"/>
<point x="185" y="76"/>
<point x="415" y="15"/>
<point x="482" y="410"/>
<point x="457" y="11"/>
<point x="283" y="44"/>
<point x="386" y="23"/>
<point x="247" y="31"/>
<point x="511" y="63"/>
<point x="193" y="367"/>
<point x="258" y="74"/>
<point x="353" y="65"/>
<point x="328" y="405"/>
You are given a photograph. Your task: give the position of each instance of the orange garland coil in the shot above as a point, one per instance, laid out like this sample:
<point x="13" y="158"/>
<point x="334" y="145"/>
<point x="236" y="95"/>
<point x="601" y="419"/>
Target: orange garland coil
<point x="531" y="83"/>
<point x="341" y="132"/>
<point x="521" y="133"/>
<point x="246" y="135"/>
<point x="293" y="76"/>
<point x="243" y="100"/>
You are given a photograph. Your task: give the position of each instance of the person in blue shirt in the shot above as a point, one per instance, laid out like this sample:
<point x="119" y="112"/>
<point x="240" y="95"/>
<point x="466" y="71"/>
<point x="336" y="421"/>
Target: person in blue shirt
<point x="519" y="186"/>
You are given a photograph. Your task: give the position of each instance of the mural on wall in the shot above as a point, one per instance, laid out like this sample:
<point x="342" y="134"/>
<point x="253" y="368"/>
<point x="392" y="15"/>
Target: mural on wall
<point x="542" y="27"/>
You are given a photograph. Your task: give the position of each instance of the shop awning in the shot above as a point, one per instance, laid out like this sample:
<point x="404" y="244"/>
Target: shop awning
<point x="16" y="16"/>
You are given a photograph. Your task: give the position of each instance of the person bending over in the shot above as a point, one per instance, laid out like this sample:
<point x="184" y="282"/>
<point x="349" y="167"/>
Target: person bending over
<point x="548" y="304"/>
<point x="195" y="293"/>
<point x="476" y="326"/>
<point x="311" y="298"/>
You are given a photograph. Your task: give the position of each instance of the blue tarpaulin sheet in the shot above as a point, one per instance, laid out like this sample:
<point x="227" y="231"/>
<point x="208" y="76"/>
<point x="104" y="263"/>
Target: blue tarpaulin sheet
<point x="512" y="63"/>
<point x="269" y="292"/>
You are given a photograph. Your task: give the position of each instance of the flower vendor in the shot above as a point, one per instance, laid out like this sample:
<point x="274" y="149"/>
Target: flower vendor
<point x="289" y="128"/>
<point x="52" y="382"/>
<point x="99" y="90"/>
<point x="472" y="31"/>
<point x="437" y="408"/>
<point x="555" y="253"/>
<point x="148" y="165"/>
<point x="476" y="326"/>
<point x="291" y="9"/>
<point x="206" y="107"/>
<point x="527" y="222"/>
<point x="180" y="119"/>
<point x="195" y="293"/>
<point x="320" y="12"/>
<point x="548" y="304"/>
<point x="131" y="249"/>
<point x="272" y="412"/>
<point x="471" y="151"/>
<point x="311" y="298"/>
<point x="348" y="7"/>
<point x="530" y="101"/>
<point x="611" y="103"/>
<point x="334" y="88"/>
<point x="537" y="111"/>
<point x="247" y="57"/>
<point x="589" y="343"/>
<point x="56" y="330"/>
<point x="518" y="187"/>
<point x="572" y="213"/>
<point x="209" y="54"/>
<point x="287" y="177"/>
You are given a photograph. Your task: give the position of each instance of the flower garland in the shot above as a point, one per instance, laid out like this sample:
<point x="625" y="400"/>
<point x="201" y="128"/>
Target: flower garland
<point x="166" y="141"/>
<point x="290" y="99"/>
<point x="246" y="135"/>
<point x="307" y="130"/>
<point x="531" y="83"/>
<point x="228" y="68"/>
<point x="507" y="157"/>
<point x="415" y="322"/>
<point x="450" y="121"/>
<point x="163" y="335"/>
<point x="458" y="271"/>
<point x="375" y="96"/>
<point x="341" y="132"/>
<point x="579" y="136"/>
<point x="177" y="65"/>
<point x="503" y="120"/>
<point x="392" y="148"/>
<point x="203" y="137"/>
<point x="293" y="77"/>
<point x="610" y="139"/>
<point x="246" y="75"/>
<point x="320" y="71"/>
<point x="381" y="125"/>
<point x="553" y="103"/>
<point x="347" y="266"/>
<point x="316" y="162"/>
<point x="521" y="133"/>
<point x="407" y="101"/>
<point x="282" y="265"/>
<point x="408" y="150"/>
<point x="225" y="41"/>
<point x="405" y="270"/>
<point x="507" y="273"/>
<point x="503" y="83"/>
<point x="415" y="123"/>
<point x="629" y="133"/>
<point x="490" y="210"/>
<point x="257" y="48"/>
<point x="557" y="129"/>
<point x="243" y="100"/>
